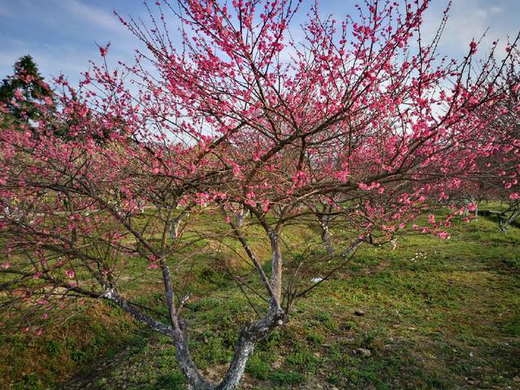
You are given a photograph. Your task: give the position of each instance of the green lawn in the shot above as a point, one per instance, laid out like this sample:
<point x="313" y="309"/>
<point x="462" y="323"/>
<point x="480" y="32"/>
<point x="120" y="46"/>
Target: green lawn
<point x="437" y="315"/>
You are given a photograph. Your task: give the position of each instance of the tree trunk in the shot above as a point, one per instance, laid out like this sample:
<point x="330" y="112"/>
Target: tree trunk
<point x="503" y="223"/>
<point x="240" y="216"/>
<point x="276" y="276"/>
<point x="187" y="365"/>
<point x="259" y="330"/>
<point x="325" y="234"/>
<point x="246" y="345"/>
<point x="243" y="350"/>
<point x="185" y="361"/>
<point x="176" y="223"/>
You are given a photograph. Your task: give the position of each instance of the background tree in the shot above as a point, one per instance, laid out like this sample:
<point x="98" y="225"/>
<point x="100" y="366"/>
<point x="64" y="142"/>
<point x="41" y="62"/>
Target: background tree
<point x="509" y="124"/>
<point x="23" y="94"/>
<point x="501" y="140"/>
<point x="26" y="99"/>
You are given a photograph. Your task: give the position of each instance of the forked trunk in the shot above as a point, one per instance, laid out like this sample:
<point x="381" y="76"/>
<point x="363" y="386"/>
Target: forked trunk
<point x="246" y="345"/>
<point x="246" y="341"/>
<point x="188" y="367"/>
<point x="243" y="351"/>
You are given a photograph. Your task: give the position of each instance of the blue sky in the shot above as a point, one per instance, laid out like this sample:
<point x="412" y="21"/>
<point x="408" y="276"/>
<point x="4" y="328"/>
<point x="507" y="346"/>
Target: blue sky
<point x="62" y="34"/>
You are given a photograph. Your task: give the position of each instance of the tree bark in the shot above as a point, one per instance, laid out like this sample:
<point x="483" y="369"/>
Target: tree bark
<point x="246" y="345"/>
<point x="240" y="217"/>
<point x="174" y="232"/>
<point x="325" y="234"/>
<point x="276" y="276"/>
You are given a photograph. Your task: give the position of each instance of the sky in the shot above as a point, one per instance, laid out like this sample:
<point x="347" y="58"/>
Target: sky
<point x="62" y="35"/>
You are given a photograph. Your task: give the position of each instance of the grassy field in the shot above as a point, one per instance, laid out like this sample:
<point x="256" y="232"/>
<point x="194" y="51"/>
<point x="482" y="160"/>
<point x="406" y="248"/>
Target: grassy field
<point x="435" y="315"/>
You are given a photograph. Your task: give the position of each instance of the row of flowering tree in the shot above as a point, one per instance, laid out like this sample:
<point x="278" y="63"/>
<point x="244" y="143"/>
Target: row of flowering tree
<point x="502" y="138"/>
<point x="360" y="126"/>
<point x="504" y="132"/>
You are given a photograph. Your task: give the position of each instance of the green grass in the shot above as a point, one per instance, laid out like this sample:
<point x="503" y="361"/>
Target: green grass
<point x="438" y="315"/>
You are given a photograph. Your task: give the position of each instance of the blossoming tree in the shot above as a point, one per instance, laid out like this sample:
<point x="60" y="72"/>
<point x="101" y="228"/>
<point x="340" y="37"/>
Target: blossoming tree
<point x="360" y="124"/>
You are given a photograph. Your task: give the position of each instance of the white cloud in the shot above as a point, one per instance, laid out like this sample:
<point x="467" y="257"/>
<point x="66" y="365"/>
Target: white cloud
<point x="61" y="36"/>
<point x="470" y="20"/>
<point x="91" y="15"/>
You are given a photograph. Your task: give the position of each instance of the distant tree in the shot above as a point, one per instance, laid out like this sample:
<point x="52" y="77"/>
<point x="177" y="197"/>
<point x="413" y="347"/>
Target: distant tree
<point x="509" y="123"/>
<point x="501" y="141"/>
<point x="26" y="99"/>
<point x="24" y="95"/>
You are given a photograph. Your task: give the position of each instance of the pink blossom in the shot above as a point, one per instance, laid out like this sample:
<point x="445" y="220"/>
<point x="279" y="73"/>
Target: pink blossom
<point x="444" y="235"/>
<point x="364" y="186"/>
<point x="103" y="50"/>
<point x="473" y="47"/>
